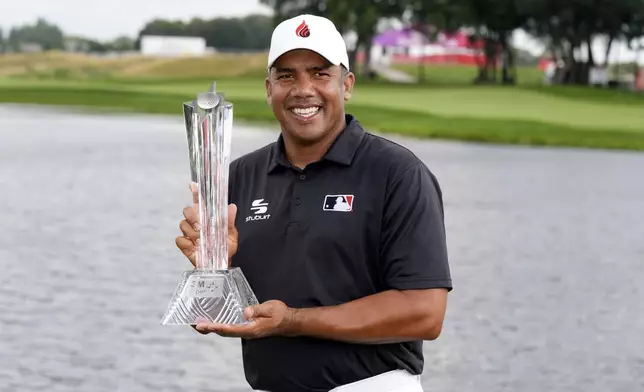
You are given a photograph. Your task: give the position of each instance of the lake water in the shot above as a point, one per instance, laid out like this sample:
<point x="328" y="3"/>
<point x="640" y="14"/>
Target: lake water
<point x="546" y="249"/>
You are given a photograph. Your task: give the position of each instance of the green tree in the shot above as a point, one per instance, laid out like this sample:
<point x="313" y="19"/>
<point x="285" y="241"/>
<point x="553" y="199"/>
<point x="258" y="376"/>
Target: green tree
<point x="570" y="25"/>
<point x="285" y="9"/>
<point x="42" y="33"/>
<point x="122" y="44"/>
<point x="259" y="29"/>
<point x="495" y="21"/>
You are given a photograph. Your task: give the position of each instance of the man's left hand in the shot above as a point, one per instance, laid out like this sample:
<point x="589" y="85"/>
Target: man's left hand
<point x="267" y="319"/>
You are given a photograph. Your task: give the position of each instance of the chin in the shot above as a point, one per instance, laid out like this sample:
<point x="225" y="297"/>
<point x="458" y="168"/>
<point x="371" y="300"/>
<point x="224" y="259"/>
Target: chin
<point x="306" y="130"/>
<point x="308" y="136"/>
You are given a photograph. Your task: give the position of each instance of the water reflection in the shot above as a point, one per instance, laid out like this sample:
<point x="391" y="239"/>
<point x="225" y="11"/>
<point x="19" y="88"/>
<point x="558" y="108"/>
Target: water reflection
<point x="545" y="244"/>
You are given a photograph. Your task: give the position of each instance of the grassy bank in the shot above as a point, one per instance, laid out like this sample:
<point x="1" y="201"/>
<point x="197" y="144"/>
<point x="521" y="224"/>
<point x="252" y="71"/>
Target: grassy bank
<point x="447" y="74"/>
<point x="519" y="115"/>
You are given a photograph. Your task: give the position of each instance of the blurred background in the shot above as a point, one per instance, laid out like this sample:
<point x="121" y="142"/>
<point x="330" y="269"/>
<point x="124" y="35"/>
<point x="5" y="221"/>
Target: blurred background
<point x="529" y="112"/>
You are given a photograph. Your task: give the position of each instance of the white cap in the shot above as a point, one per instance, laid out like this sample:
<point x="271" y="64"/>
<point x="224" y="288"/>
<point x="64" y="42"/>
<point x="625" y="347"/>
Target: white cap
<point x="309" y="32"/>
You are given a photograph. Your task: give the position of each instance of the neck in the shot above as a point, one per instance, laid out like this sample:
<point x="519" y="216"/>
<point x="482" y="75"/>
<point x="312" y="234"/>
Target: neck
<point x="301" y="154"/>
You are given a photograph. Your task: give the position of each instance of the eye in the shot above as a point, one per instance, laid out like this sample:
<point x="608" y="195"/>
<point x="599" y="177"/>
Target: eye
<point x="321" y="73"/>
<point x="285" y="76"/>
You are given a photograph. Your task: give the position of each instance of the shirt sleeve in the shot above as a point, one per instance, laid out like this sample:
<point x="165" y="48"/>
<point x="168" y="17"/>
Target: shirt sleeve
<point x="414" y="249"/>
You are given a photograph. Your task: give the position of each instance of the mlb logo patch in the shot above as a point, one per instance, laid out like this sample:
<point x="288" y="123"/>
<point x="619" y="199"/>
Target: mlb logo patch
<point x="338" y="203"/>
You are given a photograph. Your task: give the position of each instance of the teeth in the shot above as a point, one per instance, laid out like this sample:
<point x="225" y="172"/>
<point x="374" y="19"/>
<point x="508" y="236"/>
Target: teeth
<point x="306" y="112"/>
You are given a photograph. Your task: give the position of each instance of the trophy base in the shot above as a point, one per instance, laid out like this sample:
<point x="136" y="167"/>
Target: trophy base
<point x="214" y="296"/>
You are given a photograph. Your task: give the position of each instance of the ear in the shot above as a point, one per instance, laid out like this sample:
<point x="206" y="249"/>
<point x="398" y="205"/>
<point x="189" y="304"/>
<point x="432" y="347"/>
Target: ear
<point x="348" y="83"/>
<point x="269" y="91"/>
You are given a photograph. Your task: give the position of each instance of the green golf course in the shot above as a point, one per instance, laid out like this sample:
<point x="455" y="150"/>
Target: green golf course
<point x="445" y="106"/>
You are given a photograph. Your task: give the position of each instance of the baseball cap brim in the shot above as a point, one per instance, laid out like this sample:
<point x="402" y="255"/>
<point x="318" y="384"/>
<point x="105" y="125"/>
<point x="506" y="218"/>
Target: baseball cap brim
<point x="330" y="57"/>
<point x="320" y="36"/>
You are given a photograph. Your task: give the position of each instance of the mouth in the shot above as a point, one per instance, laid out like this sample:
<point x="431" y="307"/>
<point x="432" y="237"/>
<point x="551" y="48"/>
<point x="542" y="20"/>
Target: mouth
<point x="305" y="113"/>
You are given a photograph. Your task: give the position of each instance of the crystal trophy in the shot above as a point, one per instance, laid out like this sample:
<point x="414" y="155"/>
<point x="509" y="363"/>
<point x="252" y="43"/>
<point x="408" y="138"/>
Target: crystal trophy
<point x="211" y="292"/>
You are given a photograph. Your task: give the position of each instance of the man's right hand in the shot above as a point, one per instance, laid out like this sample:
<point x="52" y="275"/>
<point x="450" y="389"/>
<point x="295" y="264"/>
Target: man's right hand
<point x="190" y="227"/>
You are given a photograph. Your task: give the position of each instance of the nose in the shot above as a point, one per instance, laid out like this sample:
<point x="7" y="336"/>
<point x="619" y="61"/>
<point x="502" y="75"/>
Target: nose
<point x="303" y="87"/>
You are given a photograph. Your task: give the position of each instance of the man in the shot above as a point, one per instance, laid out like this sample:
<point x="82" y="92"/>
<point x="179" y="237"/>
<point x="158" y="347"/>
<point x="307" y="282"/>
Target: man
<point x="348" y="293"/>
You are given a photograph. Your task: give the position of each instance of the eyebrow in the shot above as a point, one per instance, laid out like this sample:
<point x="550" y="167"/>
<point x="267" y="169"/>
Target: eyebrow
<point x="284" y="70"/>
<point x="321" y="68"/>
<point x="314" y="68"/>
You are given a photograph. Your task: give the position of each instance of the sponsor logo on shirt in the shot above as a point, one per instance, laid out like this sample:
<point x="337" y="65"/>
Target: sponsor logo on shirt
<point x="342" y="203"/>
<point x="259" y="208"/>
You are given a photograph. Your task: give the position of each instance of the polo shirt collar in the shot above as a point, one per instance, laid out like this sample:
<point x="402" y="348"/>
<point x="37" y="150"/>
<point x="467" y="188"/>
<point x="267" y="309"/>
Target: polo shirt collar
<point x="342" y="150"/>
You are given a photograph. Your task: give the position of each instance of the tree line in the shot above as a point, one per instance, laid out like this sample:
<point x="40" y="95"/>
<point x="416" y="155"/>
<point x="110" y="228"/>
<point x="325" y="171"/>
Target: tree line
<point x="42" y="33"/>
<point x="47" y="36"/>
<point x="249" y="33"/>
<point x="565" y="26"/>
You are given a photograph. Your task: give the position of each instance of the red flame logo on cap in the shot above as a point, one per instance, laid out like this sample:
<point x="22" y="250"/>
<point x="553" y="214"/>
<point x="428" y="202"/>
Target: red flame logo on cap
<point x="303" y="30"/>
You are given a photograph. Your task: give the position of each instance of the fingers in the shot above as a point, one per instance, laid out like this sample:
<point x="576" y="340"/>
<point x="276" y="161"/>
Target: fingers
<point x="206" y="328"/>
<point x="188" y="248"/>
<point x="200" y="331"/>
<point x="266" y="309"/>
<point x="232" y="215"/>
<point x="261" y="310"/>
<point x="240" y="331"/>
<point x="194" y="188"/>
<point x="186" y="245"/>
<point x="188" y="231"/>
<point x="190" y="227"/>
<point x="191" y="215"/>
<point x="233" y="235"/>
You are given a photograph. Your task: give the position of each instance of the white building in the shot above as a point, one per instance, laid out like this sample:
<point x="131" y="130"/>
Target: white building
<point x="172" y="46"/>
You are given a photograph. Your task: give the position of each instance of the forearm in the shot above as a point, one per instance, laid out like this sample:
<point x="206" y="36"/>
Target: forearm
<point x="386" y="317"/>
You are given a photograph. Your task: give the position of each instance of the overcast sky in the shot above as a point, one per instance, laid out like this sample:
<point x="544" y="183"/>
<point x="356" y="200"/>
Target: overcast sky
<point x="106" y="19"/>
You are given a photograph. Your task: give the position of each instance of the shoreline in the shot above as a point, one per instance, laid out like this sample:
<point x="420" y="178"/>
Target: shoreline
<point x="381" y="120"/>
<point x="258" y="126"/>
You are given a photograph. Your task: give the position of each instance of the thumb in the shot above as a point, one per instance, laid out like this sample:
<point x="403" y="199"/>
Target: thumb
<point x="254" y="311"/>
<point x="232" y="214"/>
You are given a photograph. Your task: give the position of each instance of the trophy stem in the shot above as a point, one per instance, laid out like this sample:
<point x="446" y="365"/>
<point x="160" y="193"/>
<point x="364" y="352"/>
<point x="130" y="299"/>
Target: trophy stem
<point x="206" y="257"/>
<point x="212" y="158"/>
<point x="224" y="131"/>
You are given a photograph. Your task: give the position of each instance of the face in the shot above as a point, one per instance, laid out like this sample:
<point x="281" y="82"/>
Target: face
<point x="307" y="95"/>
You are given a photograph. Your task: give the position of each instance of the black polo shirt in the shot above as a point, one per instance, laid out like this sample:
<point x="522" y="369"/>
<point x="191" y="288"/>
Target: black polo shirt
<point x="366" y="218"/>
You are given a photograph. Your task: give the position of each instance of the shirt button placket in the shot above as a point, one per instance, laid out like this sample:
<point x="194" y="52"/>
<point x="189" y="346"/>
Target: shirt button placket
<point x="298" y="212"/>
<point x="296" y="209"/>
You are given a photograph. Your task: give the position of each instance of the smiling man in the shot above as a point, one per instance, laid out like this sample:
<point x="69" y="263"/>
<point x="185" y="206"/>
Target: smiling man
<point x="341" y="235"/>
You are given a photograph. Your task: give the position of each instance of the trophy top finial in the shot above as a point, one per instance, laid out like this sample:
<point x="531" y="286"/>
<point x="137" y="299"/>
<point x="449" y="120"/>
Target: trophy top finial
<point x="213" y="87"/>
<point x="207" y="100"/>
